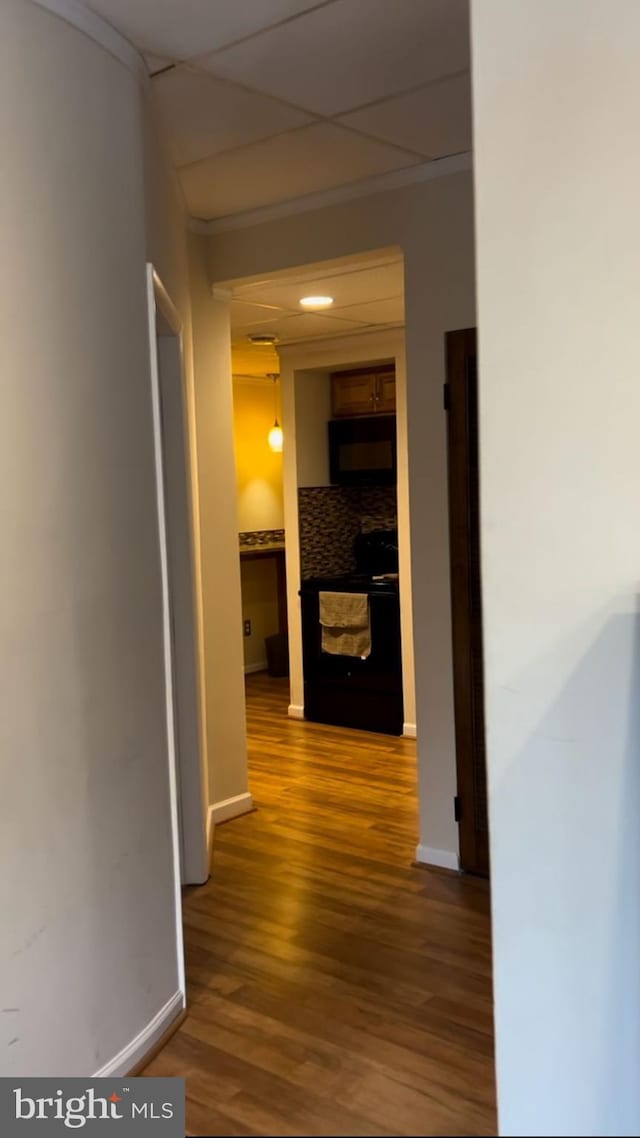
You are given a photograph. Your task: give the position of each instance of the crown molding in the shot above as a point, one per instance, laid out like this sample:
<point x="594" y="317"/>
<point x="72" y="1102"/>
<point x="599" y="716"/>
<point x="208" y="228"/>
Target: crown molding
<point x="92" y="25"/>
<point x="378" y="184"/>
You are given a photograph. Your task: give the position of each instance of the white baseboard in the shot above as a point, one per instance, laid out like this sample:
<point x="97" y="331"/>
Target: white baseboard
<point x="261" y="666"/>
<point x="296" y="711"/>
<point x="229" y="808"/>
<point x="131" y="1055"/>
<point x="444" y="859"/>
<point x="409" y="730"/>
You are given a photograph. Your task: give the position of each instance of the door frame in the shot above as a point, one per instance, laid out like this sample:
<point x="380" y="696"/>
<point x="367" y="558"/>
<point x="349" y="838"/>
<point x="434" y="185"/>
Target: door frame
<point x="187" y="768"/>
<point x="466" y="603"/>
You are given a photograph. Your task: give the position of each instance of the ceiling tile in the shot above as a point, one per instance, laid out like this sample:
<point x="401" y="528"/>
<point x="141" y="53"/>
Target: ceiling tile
<point x="389" y="311"/>
<point x="244" y="313"/>
<point x="184" y="28"/>
<point x="351" y="52"/>
<point x="306" y="325"/>
<point x="204" y="115"/>
<point x="316" y="157"/>
<point x="346" y="287"/>
<point x="435" y="120"/>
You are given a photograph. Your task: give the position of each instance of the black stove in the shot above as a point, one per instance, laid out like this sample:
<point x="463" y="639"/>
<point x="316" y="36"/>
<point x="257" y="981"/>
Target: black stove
<point x="348" y="691"/>
<point x="352" y="583"/>
<point x="376" y="558"/>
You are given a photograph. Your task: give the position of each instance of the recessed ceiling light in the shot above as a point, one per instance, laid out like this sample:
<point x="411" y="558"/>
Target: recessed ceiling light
<point x="316" y="301"/>
<point x="263" y="339"/>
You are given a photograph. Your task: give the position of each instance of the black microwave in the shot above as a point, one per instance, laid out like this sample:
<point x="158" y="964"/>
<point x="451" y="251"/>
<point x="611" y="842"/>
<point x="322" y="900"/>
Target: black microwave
<point x="363" y="451"/>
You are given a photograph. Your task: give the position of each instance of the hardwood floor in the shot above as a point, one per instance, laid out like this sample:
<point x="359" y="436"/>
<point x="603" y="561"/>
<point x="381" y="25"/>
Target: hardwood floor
<point x="334" y="988"/>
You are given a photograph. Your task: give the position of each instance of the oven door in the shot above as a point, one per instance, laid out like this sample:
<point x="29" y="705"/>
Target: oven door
<point x="346" y="690"/>
<point x="363" y="450"/>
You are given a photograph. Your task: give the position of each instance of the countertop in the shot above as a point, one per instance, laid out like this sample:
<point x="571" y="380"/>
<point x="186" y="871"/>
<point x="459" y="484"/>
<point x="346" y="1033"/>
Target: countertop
<point x="262" y="547"/>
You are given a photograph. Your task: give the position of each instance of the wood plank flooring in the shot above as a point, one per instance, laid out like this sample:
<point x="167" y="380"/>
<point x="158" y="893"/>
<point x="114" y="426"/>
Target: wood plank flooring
<point x="333" y="987"/>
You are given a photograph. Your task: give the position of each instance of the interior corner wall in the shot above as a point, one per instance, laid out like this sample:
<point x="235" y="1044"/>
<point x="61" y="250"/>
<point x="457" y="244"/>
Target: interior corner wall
<point x="220" y="558"/>
<point x="87" y="882"/>
<point x="180" y="263"/>
<point x="558" y="256"/>
<point x="432" y="222"/>
<point x="167" y="224"/>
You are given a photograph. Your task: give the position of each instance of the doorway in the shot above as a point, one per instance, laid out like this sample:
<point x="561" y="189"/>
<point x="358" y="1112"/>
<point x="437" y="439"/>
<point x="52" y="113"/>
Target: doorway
<point x="186" y="766"/>
<point x="461" y="404"/>
<point x="343" y="531"/>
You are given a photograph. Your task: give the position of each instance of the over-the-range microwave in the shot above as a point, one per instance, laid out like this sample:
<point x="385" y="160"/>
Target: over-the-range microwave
<point x="362" y="451"/>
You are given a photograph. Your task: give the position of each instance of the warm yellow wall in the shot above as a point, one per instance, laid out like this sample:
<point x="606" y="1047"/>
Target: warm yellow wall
<point x="258" y="469"/>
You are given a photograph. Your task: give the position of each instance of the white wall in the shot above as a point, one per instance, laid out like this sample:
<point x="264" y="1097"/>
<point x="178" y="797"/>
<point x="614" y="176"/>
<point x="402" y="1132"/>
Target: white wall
<point x="313" y="411"/>
<point x="166" y="227"/>
<point x="557" y="88"/>
<point x="88" y="943"/>
<point x="209" y="407"/>
<point x="432" y="222"/>
<point x="220" y="563"/>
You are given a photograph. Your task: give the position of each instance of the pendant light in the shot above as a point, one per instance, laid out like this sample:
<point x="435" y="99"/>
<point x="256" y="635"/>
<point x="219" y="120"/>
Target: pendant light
<point x="275" y="436"/>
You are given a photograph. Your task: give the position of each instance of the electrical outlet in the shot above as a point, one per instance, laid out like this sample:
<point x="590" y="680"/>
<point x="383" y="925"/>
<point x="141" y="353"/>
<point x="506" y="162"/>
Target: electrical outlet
<point x="247" y="628"/>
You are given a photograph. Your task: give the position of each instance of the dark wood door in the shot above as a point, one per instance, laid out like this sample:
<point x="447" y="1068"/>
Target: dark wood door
<point x="461" y="401"/>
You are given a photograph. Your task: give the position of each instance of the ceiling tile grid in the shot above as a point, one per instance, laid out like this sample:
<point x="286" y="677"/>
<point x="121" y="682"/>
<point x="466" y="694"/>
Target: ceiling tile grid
<point x="264" y="101"/>
<point x="364" y="298"/>
<point x="182" y="29"/>
<point x="303" y="161"/>
<point x="350" y="52"/>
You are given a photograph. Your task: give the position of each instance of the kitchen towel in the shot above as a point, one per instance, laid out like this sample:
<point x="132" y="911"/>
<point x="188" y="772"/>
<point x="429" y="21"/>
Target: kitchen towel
<point x="346" y="630"/>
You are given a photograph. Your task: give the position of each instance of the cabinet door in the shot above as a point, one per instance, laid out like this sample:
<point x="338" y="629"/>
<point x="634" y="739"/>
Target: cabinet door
<point x="353" y="394"/>
<point x="386" y="392"/>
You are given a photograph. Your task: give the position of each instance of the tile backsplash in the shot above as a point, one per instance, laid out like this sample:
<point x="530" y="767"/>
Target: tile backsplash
<point x="257" y="537"/>
<point x="329" y="518"/>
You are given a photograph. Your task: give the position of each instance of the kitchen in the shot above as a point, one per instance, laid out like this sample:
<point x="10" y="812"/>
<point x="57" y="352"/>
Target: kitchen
<point x="343" y="489"/>
<point x="349" y="591"/>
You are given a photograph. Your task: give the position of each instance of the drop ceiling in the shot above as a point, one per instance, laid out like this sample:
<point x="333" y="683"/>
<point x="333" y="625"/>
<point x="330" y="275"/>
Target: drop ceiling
<point x="368" y="296"/>
<point x="268" y="100"/>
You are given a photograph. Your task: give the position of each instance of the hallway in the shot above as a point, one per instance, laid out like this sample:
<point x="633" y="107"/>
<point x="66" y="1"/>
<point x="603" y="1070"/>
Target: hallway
<point x="333" y="987"/>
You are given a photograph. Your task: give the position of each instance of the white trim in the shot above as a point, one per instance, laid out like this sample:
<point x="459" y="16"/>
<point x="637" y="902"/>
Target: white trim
<point x="409" y="730"/>
<point x="444" y="859"/>
<point x="229" y="808"/>
<point x="97" y="29"/>
<point x="165" y="304"/>
<point x="166" y="623"/>
<point x="142" y="1043"/>
<point x="261" y="666"/>
<point x="295" y="711"/>
<point x="304" y="354"/>
<point x="165" y="326"/>
<point x="380" y="183"/>
<point x="332" y="337"/>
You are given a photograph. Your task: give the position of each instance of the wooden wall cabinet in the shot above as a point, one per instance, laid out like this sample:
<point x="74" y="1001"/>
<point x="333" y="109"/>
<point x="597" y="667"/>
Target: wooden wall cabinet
<point x="363" y="391"/>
